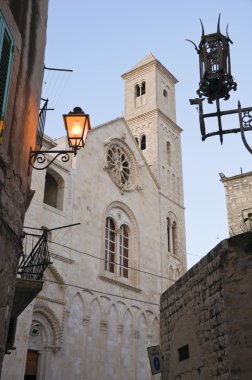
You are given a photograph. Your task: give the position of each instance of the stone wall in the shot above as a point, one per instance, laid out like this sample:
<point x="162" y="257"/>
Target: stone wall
<point x="238" y="191"/>
<point x="24" y="19"/>
<point x="206" y="328"/>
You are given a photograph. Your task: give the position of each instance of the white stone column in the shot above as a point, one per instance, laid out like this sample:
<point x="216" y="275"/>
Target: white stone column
<point x="120" y="342"/>
<point x="84" y="345"/>
<point x="134" y="354"/>
<point x="102" y="349"/>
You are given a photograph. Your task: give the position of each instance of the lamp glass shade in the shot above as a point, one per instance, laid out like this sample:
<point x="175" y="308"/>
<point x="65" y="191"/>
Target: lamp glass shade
<point x="77" y="126"/>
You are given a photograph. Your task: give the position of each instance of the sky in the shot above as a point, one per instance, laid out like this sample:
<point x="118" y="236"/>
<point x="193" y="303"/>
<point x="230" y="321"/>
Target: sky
<point x="100" y="40"/>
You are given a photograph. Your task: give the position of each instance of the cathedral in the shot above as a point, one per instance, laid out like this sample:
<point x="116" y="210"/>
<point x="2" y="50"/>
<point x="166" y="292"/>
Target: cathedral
<point x="98" y="310"/>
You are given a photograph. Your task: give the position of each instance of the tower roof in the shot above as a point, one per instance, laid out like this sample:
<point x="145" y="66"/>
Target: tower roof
<point x="148" y="59"/>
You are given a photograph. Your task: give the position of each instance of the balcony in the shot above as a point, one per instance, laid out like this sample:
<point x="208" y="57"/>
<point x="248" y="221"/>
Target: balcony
<point x="30" y="279"/>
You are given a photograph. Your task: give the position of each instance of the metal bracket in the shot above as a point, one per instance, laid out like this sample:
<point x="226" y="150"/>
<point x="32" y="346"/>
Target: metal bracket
<point x="39" y="157"/>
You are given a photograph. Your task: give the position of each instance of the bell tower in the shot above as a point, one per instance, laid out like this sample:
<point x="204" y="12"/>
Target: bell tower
<point x="150" y="111"/>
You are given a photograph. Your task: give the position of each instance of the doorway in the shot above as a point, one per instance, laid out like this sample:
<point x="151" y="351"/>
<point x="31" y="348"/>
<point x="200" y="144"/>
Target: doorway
<point x="31" y="365"/>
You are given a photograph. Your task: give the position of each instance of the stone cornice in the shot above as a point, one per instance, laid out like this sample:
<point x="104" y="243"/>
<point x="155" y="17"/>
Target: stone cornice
<point x="146" y="68"/>
<point x="166" y="119"/>
<point x="153" y="113"/>
<point x="119" y="283"/>
<point x="136" y="72"/>
<point x="54" y="300"/>
<point x="237" y="176"/>
<point x="143" y="117"/>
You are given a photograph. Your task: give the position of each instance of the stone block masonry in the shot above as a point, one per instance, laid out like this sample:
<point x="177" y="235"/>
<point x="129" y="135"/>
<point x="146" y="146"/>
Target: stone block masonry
<point x="206" y="316"/>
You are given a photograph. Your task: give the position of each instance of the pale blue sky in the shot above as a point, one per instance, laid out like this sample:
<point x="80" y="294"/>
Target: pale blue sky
<point x="100" y="40"/>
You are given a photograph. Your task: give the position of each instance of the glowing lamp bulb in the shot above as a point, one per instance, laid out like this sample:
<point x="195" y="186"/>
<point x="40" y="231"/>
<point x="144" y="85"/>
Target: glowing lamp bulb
<point x="76" y="130"/>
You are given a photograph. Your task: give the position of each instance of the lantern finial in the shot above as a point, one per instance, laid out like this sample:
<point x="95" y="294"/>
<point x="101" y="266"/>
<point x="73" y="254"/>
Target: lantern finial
<point x="202" y="26"/>
<point x="218" y="25"/>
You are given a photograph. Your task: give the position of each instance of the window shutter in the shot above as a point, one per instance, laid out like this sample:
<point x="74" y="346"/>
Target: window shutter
<point x="6" y="56"/>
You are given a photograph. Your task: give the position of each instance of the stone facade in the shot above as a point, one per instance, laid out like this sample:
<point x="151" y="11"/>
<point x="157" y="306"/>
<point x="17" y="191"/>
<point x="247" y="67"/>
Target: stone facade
<point x="206" y="328"/>
<point x="99" y="307"/>
<point x="22" y="63"/>
<point x="238" y="191"/>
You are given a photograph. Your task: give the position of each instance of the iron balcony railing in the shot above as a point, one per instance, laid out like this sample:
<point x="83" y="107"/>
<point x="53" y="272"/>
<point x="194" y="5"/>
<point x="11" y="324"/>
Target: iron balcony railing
<point x="41" y="123"/>
<point x="32" y="266"/>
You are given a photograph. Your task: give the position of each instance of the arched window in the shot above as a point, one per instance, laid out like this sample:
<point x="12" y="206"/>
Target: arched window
<point x="124" y="252"/>
<point x="51" y="190"/>
<point x="168" y="148"/>
<point x="120" y="245"/>
<point x="117" y="245"/>
<point x="137" y="90"/>
<point x="143" y="142"/>
<point x="110" y="245"/>
<point x="54" y="190"/>
<point x="168" y="234"/>
<point x="165" y="93"/>
<point x="142" y="88"/>
<point x="174" y="237"/>
<point x="172" y="234"/>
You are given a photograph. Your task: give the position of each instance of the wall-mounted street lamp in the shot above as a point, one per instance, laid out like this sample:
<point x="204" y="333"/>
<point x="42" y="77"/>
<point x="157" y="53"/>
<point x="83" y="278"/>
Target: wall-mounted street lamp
<point x="77" y="125"/>
<point x="216" y="82"/>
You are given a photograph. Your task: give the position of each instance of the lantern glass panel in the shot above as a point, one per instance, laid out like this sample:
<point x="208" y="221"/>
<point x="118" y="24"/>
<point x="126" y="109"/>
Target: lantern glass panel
<point x="75" y="129"/>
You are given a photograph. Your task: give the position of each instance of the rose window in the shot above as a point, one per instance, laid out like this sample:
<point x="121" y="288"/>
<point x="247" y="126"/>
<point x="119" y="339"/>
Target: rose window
<point x="121" y="165"/>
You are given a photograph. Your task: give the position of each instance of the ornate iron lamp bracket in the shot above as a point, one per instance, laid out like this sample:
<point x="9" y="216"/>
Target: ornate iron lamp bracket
<point x="39" y="159"/>
<point x="245" y="121"/>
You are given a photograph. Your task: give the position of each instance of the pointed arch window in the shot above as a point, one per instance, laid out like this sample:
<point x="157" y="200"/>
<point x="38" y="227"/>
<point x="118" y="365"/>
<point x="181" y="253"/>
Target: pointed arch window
<point x="143" y="142"/>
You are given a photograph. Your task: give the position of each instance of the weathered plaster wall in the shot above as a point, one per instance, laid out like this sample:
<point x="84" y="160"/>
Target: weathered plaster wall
<point x="27" y="23"/>
<point x="209" y="309"/>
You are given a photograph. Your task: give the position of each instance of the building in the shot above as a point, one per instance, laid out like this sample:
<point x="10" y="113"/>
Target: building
<point x="238" y="190"/>
<point x="206" y="329"/>
<point x="21" y="75"/>
<point x="99" y="307"/>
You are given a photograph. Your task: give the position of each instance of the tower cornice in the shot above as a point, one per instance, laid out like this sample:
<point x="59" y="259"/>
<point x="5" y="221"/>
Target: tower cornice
<point x="134" y="73"/>
<point x="154" y="113"/>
